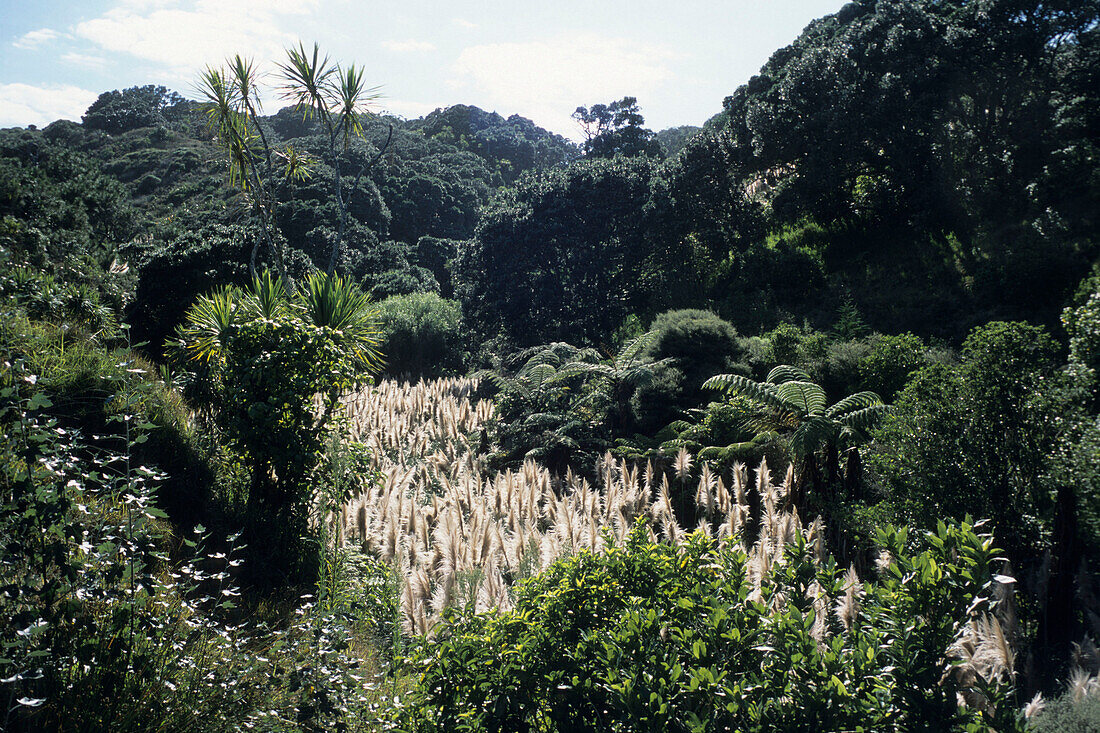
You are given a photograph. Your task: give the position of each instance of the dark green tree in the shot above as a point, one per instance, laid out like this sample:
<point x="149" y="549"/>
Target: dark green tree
<point x="557" y="256"/>
<point x="121" y="111"/>
<point x="616" y="129"/>
<point x="977" y="437"/>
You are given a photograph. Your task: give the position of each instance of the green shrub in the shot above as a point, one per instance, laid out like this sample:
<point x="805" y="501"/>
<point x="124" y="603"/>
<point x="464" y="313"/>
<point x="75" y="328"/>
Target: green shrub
<point x="273" y="367"/>
<point x="979" y="436"/>
<point x="891" y="363"/>
<point x="656" y="404"/>
<point x="1068" y="715"/>
<point x="838" y="372"/>
<point x="700" y="345"/>
<point x="421" y="335"/>
<point x="801" y="347"/>
<point x="102" y="626"/>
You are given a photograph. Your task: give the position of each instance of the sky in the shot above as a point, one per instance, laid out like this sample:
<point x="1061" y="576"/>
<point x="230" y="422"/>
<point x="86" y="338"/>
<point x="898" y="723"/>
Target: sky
<point x="538" y="59"/>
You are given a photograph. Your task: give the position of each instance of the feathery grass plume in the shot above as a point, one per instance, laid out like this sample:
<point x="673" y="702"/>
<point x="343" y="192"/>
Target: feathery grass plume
<point x="982" y="651"/>
<point x="683" y="463"/>
<point x="764" y="479"/>
<point x="443" y="523"/>
<point x="1035" y="706"/>
<point x="648" y="476"/>
<point x="1082" y="684"/>
<point x="848" y="605"/>
<point x="740" y="480"/>
<point x="820" y="603"/>
<point x="704" y="495"/>
<point x="784" y="489"/>
<point x="883" y="561"/>
<point x="722" y="499"/>
<point x="816" y="538"/>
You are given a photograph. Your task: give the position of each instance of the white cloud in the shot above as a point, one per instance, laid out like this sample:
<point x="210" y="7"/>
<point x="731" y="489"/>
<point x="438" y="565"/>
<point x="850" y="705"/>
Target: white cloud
<point x="24" y="104"/>
<point x="405" y="108"/>
<point x="34" y="39"/>
<point x="189" y="35"/>
<point x="547" y="80"/>
<point x="409" y="46"/>
<point x="463" y="23"/>
<point x="80" y="59"/>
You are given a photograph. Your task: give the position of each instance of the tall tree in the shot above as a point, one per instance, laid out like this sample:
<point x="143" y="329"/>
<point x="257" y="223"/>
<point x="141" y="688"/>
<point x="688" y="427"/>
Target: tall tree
<point x="335" y="96"/>
<point x="616" y="129"/>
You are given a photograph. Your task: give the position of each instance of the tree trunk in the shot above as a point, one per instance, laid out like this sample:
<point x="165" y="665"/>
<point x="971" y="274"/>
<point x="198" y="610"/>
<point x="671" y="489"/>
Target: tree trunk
<point x="853" y="475"/>
<point x="1058" y="629"/>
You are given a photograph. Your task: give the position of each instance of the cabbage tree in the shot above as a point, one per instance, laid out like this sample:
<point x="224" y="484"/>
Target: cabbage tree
<point x="275" y="365"/>
<point x="334" y="95"/>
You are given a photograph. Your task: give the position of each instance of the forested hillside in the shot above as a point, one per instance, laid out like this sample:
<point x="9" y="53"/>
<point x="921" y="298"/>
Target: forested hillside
<point x="318" y="419"/>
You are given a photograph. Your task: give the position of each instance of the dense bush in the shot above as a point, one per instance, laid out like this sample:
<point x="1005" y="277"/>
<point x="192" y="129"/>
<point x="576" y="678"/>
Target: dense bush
<point x="105" y="628"/>
<point x="421" y="335"/>
<point x="119" y="111"/>
<point x="891" y="362"/>
<point x="271" y="368"/>
<point x="979" y="436"/>
<point x="1077" y="711"/>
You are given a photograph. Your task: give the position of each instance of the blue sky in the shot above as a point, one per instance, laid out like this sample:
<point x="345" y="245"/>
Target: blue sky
<point x="538" y="59"/>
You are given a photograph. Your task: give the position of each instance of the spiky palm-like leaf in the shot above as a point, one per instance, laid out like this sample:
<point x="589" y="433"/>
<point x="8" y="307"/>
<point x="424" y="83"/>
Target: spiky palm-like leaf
<point x="268" y="298"/>
<point x="208" y="322"/>
<point x="306" y="78"/>
<point x="243" y="75"/>
<point x="351" y="97"/>
<point x="297" y="166"/>
<point x="231" y="126"/>
<point x="331" y="301"/>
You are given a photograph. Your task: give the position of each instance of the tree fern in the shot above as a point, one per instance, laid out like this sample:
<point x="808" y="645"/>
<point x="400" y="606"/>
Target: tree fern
<point x="791" y="402"/>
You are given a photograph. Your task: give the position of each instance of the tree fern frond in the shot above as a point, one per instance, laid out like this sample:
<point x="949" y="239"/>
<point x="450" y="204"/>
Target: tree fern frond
<point x="811" y="433"/>
<point x="857" y="401"/>
<point x="807" y="397"/>
<point x="787" y="373"/>
<point x="538" y="374"/>
<point x="635" y="347"/>
<point x="490" y="375"/>
<point x="727" y="382"/>
<point x="864" y="420"/>
<point x="760" y="392"/>
<point x="679" y="426"/>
